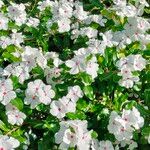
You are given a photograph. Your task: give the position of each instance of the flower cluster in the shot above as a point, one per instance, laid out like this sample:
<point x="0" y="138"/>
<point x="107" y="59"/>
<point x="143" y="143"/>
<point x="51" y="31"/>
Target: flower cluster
<point x="73" y="133"/>
<point x="74" y="74"/>
<point x="127" y="67"/>
<point x="124" y="126"/>
<point x="80" y="64"/>
<point x="37" y="92"/>
<point x="66" y="103"/>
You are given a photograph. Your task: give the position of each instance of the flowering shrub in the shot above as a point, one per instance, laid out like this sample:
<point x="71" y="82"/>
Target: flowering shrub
<point x="74" y="75"/>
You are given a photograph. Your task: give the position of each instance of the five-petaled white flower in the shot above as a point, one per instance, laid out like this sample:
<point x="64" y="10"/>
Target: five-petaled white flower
<point x="14" y="115"/>
<point x="8" y="143"/>
<point x="6" y="91"/>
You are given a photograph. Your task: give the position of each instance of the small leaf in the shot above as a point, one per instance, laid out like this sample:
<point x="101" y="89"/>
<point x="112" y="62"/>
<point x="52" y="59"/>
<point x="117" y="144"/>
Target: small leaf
<point x="88" y="91"/>
<point x="18" y="103"/>
<point x="3" y="126"/>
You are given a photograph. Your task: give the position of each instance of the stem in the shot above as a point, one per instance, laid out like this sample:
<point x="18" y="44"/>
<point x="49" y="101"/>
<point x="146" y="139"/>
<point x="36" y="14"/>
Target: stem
<point x="8" y="133"/>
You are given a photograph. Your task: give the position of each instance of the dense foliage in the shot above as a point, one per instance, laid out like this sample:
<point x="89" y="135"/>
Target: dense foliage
<point x="74" y="75"/>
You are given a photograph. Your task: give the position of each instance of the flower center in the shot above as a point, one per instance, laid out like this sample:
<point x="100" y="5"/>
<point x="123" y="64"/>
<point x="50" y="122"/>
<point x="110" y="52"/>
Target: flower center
<point x="4" y="93"/>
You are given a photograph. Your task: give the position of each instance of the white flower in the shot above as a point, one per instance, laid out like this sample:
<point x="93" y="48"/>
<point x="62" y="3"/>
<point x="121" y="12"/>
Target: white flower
<point x="3" y="22"/>
<point x="17" y="38"/>
<point x="62" y="106"/>
<point x="74" y="93"/>
<point x="105" y="145"/>
<point x="1" y="3"/>
<point x="1" y="72"/>
<point x="46" y="94"/>
<point x="58" y="109"/>
<point x="79" y="13"/>
<point x="124" y="133"/>
<point x="29" y="55"/>
<point x="92" y="67"/>
<point x="132" y="145"/>
<point x="42" y="5"/>
<point x="55" y="57"/>
<point x="73" y="133"/>
<point x="81" y="52"/>
<point x="122" y="38"/>
<point x="144" y="41"/>
<point x="59" y="135"/>
<point x="124" y="126"/>
<point x="32" y="93"/>
<point x="34" y="56"/>
<point x="95" y="18"/>
<point x="65" y="10"/>
<point x="17" y="13"/>
<point x="122" y="9"/>
<point x="14" y="115"/>
<point x="125" y="71"/>
<point x="63" y="25"/>
<point x="41" y="60"/>
<point x="139" y="63"/>
<point x="8" y="143"/>
<point x="8" y="70"/>
<point x="107" y="38"/>
<point x="142" y="2"/>
<point x="95" y="144"/>
<point x="137" y="120"/>
<point x="89" y="32"/>
<point x="33" y="22"/>
<point x="57" y="62"/>
<point x="127" y="66"/>
<point x="114" y="125"/>
<point x="20" y="70"/>
<point x="84" y="140"/>
<point x="51" y="55"/>
<point x="75" y="33"/>
<point x="5" y="41"/>
<point x="70" y="138"/>
<point x="6" y="91"/>
<point x="120" y="2"/>
<point x="76" y="64"/>
<point x="96" y="46"/>
<point x="122" y="62"/>
<point x="128" y="82"/>
<point x="142" y="24"/>
<point x="51" y="73"/>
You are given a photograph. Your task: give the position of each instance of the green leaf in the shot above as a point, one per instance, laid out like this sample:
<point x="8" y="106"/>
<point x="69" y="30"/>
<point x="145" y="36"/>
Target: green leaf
<point x="146" y="131"/>
<point x="146" y="52"/>
<point x="143" y="111"/>
<point x="77" y="115"/>
<point x="46" y="143"/>
<point x="130" y="104"/>
<point x="3" y="127"/>
<point x="119" y="100"/>
<point x="94" y="134"/>
<point x="82" y="104"/>
<point x="96" y="3"/>
<point x="8" y="56"/>
<point x="147" y="97"/>
<point x="88" y="91"/>
<point x="86" y="79"/>
<point x="18" y="103"/>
